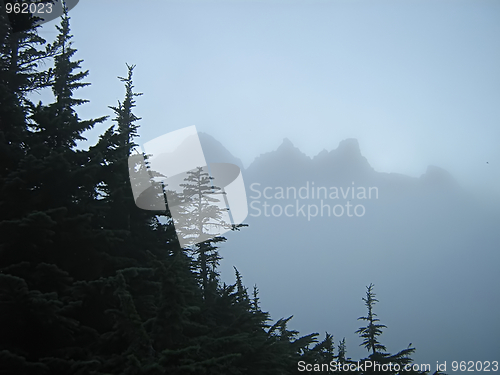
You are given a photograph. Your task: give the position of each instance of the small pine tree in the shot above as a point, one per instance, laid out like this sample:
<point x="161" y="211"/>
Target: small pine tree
<point x="371" y="333"/>
<point x="373" y="330"/>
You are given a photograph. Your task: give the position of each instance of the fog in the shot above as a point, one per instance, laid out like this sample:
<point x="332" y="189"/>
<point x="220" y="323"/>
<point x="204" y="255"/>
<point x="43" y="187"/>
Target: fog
<point x="401" y="96"/>
<point x="322" y="229"/>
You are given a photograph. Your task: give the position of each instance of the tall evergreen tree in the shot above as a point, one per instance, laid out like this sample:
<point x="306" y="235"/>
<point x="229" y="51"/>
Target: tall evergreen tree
<point x="44" y="233"/>
<point x="198" y="217"/>
<point x="21" y="58"/>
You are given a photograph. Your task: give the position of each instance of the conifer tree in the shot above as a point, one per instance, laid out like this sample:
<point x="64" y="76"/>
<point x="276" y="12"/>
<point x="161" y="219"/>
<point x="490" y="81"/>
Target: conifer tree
<point x="342" y="352"/>
<point x="373" y="330"/>
<point x="57" y="174"/>
<point x="44" y="232"/>
<point x="196" y="217"/>
<point x="21" y="58"/>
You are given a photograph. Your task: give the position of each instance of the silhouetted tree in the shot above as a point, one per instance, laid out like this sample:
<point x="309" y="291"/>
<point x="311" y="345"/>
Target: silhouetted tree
<point x="370" y="335"/>
<point x="373" y="330"/>
<point x="198" y="220"/>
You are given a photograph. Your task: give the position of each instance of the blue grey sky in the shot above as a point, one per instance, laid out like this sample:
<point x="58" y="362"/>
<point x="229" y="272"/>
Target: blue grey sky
<point x="416" y="82"/>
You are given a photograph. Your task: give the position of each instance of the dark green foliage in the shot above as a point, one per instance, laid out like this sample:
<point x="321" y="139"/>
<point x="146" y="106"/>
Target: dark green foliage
<point x="90" y="283"/>
<point x="370" y="333"/>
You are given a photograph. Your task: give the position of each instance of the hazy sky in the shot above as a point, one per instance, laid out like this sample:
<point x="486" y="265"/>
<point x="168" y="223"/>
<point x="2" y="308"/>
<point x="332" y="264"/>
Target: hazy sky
<point x="416" y="82"/>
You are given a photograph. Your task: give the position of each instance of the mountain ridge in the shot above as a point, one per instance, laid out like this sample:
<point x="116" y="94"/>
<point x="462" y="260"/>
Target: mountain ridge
<point x="346" y="162"/>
